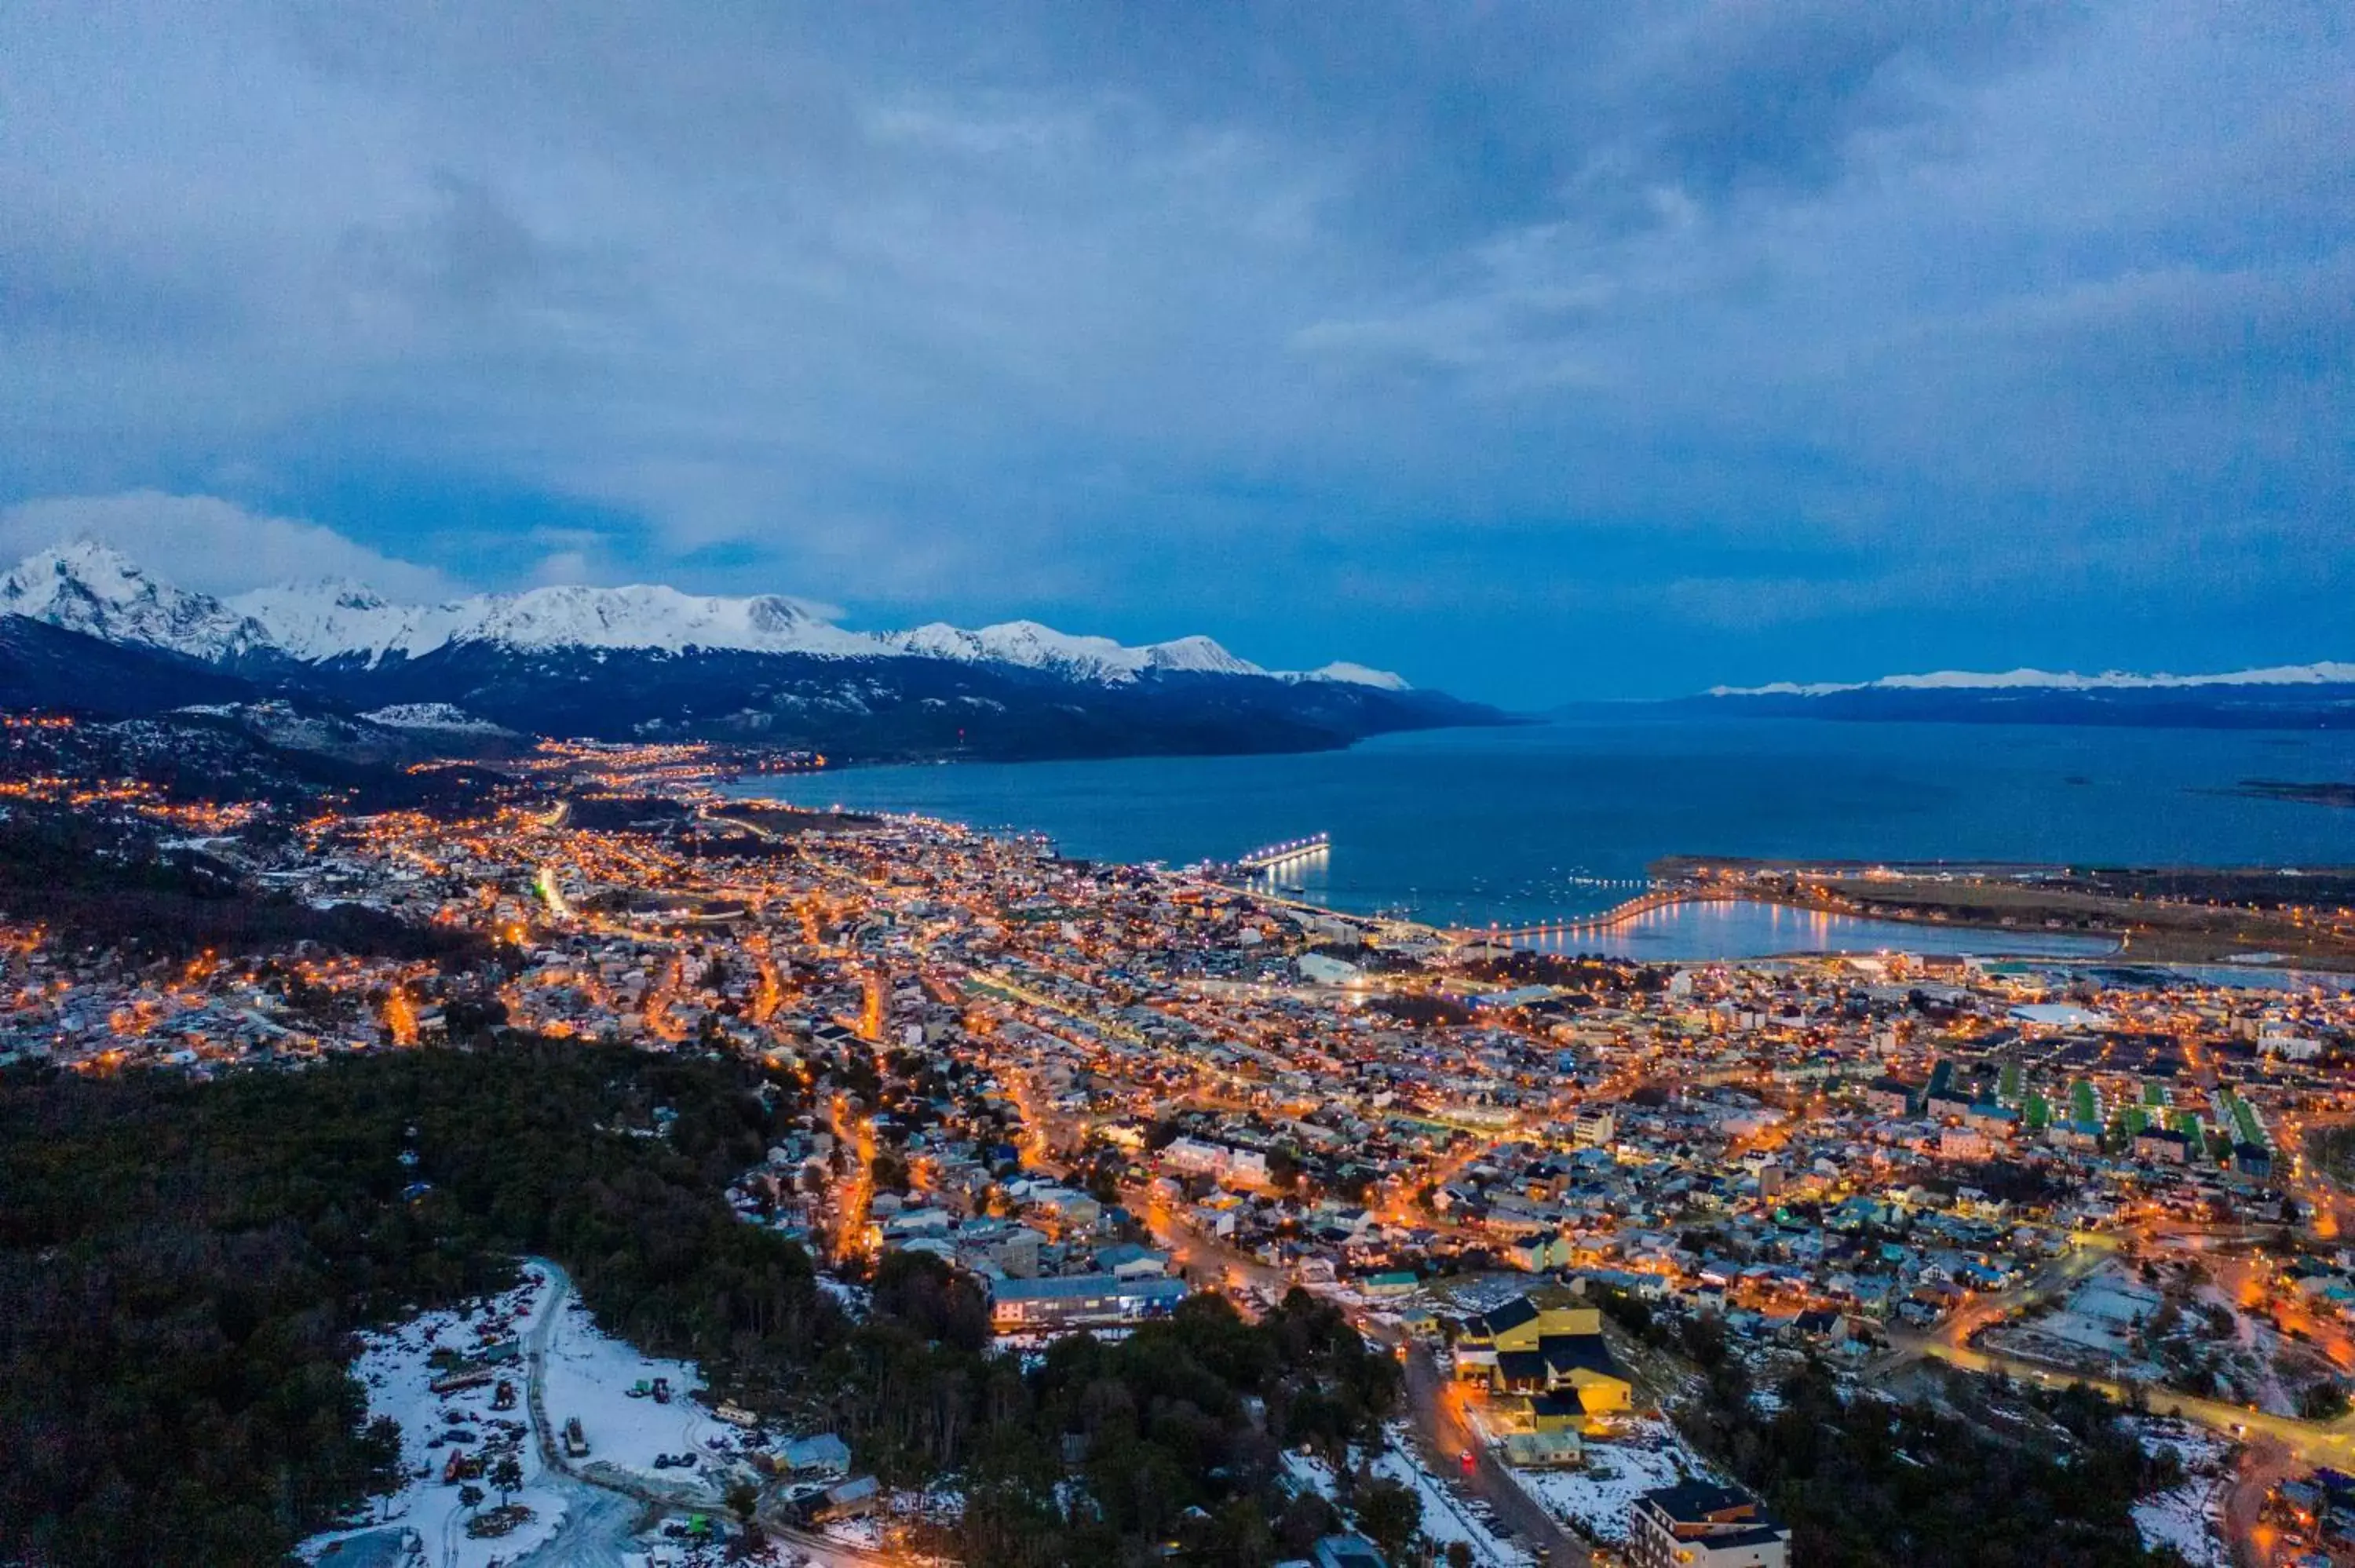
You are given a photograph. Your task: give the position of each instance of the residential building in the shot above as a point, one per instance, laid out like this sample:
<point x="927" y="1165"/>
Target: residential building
<point x="1695" y="1524"/>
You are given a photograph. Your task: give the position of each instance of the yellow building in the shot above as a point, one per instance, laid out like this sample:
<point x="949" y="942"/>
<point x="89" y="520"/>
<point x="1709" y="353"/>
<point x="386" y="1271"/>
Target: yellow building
<point x="1554" y="1354"/>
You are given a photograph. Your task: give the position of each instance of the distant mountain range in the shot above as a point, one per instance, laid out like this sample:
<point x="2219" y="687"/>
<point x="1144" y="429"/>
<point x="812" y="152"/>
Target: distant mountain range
<point x="84" y="627"/>
<point x="2290" y="697"/>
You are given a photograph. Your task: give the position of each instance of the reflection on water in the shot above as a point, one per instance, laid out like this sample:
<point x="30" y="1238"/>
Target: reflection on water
<point x="2256" y="976"/>
<point x="1743" y="929"/>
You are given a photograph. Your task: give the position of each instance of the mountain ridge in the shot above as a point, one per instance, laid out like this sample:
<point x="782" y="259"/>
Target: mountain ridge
<point x="2322" y="672"/>
<point x="95" y="632"/>
<point x="2319" y="695"/>
<point x="84" y="586"/>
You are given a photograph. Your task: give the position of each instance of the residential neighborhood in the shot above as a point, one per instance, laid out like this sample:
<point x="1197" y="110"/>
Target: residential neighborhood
<point x="1095" y="1090"/>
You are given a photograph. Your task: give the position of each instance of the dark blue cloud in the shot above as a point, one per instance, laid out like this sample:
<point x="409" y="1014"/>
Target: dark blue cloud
<point x="1530" y="349"/>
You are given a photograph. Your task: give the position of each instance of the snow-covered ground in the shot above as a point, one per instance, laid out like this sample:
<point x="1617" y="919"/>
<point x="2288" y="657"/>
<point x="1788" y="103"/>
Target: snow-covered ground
<point x="1596" y="1499"/>
<point x="432" y="716"/>
<point x="2093" y="1330"/>
<point x="2191" y="1517"/>
<point x="1467" y="1293"/>
<point x="2198" y="1449"/>
<point x="395" y="1367"/>
<point x="867" y="1533"/>
<point x="589" y="1374"/>
<point x="1446" y="1514"/>
<point x="1307" y="1473"/>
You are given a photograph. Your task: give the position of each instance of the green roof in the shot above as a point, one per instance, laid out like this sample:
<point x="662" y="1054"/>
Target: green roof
<point x="2245" y="1121"/>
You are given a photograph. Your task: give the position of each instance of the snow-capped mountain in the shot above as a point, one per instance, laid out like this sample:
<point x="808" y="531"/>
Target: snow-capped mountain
<point x="338" y="619"/>
<point x="1035" y="647"/>
<point x="1351" y="674"/>
<point x="85" y="628"/>
<point x="332" y="620"/>
<point x="2326" y="674"/>
<point x="102" y="593"/>
<point x="2283" y="696"/>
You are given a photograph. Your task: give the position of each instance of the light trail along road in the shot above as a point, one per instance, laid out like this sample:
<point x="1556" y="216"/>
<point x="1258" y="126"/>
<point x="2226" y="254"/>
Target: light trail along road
<point x="1434" y="1406"/>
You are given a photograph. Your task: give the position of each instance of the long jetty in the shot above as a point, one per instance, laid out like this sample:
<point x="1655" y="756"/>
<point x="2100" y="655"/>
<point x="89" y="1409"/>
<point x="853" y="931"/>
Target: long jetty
<point x="1270" y="856"/>
<point x="1634" y="908"/>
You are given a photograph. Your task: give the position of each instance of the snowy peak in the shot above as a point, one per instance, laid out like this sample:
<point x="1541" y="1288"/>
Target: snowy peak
<point x="336" y="618"/>
<point x="1199" y="655"/>
<point x="652" y="617"/>
<point x="88" y="588"/>
<point x="320" y="622"/>
<point x="2326" y="674"/>
<point x="1345" y="674"/>
<point x="1035" y="647"/>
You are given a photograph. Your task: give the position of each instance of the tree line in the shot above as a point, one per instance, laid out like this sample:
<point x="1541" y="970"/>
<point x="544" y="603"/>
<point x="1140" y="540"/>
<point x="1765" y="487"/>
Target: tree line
<point x="183" y="1267"/>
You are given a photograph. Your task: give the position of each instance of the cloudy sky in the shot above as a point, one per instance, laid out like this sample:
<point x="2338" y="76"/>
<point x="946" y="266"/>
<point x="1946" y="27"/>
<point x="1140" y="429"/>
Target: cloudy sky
<point x="1537" y="351"/>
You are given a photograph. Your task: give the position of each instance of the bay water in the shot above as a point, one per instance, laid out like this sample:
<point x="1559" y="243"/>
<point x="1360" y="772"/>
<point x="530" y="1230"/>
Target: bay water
<point x="1543" y="821"/>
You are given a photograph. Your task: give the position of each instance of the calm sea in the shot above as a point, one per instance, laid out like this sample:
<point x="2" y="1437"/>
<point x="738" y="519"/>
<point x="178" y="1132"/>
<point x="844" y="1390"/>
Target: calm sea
<point x="1522" y="825"/>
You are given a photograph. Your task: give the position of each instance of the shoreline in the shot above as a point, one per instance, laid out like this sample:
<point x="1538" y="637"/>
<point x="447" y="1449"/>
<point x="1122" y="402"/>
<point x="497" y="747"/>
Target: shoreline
<point x="1513" y="939"/>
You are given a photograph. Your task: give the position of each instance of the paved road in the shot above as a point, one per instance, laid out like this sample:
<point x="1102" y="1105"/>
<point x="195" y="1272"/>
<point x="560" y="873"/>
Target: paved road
<point x="2311" y="1443"/>
<point x="2265" y="1465"/>
<point x="1438" y="1423"/>
<point x="1432" y="1410"/>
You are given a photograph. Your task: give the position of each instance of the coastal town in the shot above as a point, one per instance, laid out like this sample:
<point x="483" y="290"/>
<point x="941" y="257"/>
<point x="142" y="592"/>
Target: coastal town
<point x="1097" y="1091"/>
